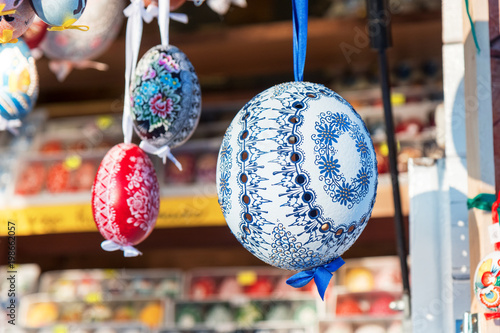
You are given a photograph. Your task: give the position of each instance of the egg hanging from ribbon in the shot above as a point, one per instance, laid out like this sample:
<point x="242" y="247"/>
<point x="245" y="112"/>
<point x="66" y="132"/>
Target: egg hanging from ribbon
<point x="165" y="97"/>
<point x="12" y="26"/>
<point x="59" y="12"/>
<point x="297" y="176"/>
<point x="104" y="19"/>
<point x="487" y="281"/>
<point x="125" y="196"/>
<point x="18" y="80"/>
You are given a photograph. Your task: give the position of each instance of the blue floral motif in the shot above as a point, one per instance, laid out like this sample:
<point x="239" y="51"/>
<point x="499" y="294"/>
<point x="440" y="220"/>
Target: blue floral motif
<point x="329" y="166"/>
<point x="149" y="88"/>
<point x="362" y="147"/>
<point x="344" y="194"/>
<point x="168" y="80"/>
<point x="225" y="164"/>
<point x="327" y="133"/>
<point x="341" y="122"/>
<point x="139" y="99"/>
<point x="363" y="179"/>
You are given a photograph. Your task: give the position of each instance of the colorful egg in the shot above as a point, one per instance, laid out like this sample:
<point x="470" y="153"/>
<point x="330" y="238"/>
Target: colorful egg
<point x="297" y="176"/>
<point x="125" y="195"/>
<point x="59" y="12"/>
<point x="104" y="19"/>
<point x="18" y="80"/>
<point x="8" y="5"/>
<point x="12" y="26"/>
<point x="165" y="97"/>
<point x="487" y="281"/>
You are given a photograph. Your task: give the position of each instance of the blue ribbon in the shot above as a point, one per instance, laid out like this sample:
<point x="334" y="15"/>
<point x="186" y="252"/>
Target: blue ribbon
<point x="321" y="274"/>
<point x="299" y="37"/>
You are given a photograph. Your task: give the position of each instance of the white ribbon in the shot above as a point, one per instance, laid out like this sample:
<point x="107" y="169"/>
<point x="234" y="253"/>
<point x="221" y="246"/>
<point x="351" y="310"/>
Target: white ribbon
<point x="10" y="125"/>
<point x="162" y="152"/>
<point x="136" y="13"/>
<point x="164" y="20"/>
<point x="62" y="68"/>
<point x="128" y="251"/>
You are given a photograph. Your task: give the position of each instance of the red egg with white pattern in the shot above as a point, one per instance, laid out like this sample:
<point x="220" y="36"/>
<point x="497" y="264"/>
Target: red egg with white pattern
<point x="125" y="195"/>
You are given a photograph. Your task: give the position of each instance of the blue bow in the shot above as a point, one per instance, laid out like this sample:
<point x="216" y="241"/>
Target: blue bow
<point x="299" y="8"/>
<point x="321" y="274"/>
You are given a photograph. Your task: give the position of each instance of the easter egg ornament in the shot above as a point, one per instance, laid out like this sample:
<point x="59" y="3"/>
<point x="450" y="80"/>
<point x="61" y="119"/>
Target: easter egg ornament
<point x="164" y="101"/>
<point x="125" y="198"/>
<point x="18" y="81"/>
<point x="60" y="14"/>
<point x="487" y="274"/>
<point x="16" y="22"/>
<point x="297" y="174"/>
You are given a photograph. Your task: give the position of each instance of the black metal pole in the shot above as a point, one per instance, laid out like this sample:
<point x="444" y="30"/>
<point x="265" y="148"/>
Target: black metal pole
<point x="380" y="39"/>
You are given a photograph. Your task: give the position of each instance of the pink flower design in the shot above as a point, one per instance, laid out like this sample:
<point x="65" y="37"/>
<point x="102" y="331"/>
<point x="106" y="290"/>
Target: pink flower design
<point x="150" y="74"/>
<point x="168" y="63"/>
<point x="159" y="106"/>
<point x="138" y="204"/>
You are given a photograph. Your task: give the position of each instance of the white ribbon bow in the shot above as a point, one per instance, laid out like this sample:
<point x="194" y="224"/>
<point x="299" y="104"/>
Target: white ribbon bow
<point x="162" y="152"/>
<point x="10" y="125"/>
<point x="128" y="251"/>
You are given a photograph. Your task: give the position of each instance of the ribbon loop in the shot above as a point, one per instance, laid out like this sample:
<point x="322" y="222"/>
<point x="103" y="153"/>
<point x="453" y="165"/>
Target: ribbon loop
<point x="162" y="152"/>
<point x="300" y="9"/>
<point x="321" y="275"/>
<point x="128" y="251"/>
<point x="10" y="125"/>
<point x="69" y="25"/>
<point x="483" y="201"/>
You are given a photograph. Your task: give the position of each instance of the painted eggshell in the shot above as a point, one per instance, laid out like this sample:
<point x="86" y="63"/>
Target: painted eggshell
<point x="165" y="97"/>
<point x="6" y="5"/>
<point x="487" y="281"/>
<point x="12" y="26"/>
<point x="35" y="33"/>
<point x="125" y="195"/>
<point x="31" y="179"/>
<point x="58" y="12"/>
<point x="104" y="19"/>
<point x="297" y="175"/>
<point x="18" y="80"/>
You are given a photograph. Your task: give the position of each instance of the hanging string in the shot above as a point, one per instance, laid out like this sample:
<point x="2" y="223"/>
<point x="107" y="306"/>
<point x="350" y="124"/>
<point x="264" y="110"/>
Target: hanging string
<point x="299" y="8"/>
<point x="164" y="21"/>
<point x="472" y="26"/>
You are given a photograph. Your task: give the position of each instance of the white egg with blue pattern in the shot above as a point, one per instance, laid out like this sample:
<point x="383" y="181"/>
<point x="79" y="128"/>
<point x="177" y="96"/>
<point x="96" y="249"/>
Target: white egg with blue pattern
<point x="297" y="176"/>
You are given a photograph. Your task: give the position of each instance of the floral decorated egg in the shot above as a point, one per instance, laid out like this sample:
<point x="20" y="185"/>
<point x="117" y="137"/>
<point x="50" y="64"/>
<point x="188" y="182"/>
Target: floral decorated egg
<point x="59" y="12"/>
<point x="104" y="19"/>
<point x="487" y="281"/>
<point x="125" y="195"/>
<point x="297" y="176"/>
<point x="12" y="26"/>
<point x="165" y="97"/>
<point x="18" y="80"/>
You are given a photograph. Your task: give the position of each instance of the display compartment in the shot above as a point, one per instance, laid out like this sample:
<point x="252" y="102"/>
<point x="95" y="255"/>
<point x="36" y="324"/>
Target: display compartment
<point x="88" y="328"/>
<point x="244" y="283"/>
<point x="41" y="311"/>
<point x="245" y="315"/>
<point x="362" y="325"/>
<point x="109" y="284"/>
